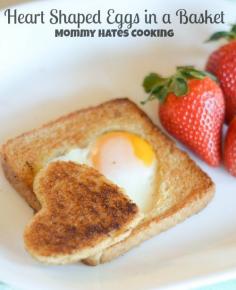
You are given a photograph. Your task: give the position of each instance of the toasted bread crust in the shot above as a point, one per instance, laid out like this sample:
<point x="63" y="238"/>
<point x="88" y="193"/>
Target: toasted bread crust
<point x="180" y="183"/>
<point x="81" y="213"/>
<point x="22" y="188"/>
<point x="23" y="156"/>
<point x="191" y="190"/>
<point x="144" y="231"/>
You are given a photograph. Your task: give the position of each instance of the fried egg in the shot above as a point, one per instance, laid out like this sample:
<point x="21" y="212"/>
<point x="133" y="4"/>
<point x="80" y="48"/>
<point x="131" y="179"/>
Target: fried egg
<point x="124" y="158"/>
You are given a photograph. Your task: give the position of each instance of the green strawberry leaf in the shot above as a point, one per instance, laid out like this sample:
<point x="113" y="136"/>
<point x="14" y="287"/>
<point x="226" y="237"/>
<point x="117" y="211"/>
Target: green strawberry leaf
<point x="159" y="87"/>
<point x="233" y="28"/>
<point x="180" y="86"/>
<point x="211" y="76"/>
<point x="228" y="35"/>
<point x="190" y="72"/>
<point x="217" y="35"/>
<point x="160" y="92"/>
<point x="151" y="81"/>
<point x="193" y="74"/>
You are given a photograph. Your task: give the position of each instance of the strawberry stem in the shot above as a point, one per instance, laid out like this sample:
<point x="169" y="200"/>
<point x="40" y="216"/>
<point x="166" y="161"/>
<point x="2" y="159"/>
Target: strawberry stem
<point x="228" y="35"/>
<point x="159" y="87"/>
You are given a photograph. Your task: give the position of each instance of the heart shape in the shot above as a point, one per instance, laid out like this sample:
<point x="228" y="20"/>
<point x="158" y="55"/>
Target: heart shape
<point x="82" y="213"/>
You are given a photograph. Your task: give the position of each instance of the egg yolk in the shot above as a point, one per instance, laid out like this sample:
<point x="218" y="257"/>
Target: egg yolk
<point x="141" y="148"/>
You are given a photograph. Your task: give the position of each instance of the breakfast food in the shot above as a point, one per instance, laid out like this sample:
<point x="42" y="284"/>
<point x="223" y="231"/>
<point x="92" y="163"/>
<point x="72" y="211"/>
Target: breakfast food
<point x="179" y="188"/>
<point x="124" y="158"/>
<point x="82" y="214"/>
<point x="192" y="110"/>
<point x="230" y="148"/>
<point x="227" y="77"/>
<point x="222" y="63"/>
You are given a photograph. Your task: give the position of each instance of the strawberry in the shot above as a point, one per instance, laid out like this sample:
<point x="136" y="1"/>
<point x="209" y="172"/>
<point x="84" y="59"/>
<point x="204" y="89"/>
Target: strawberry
<point x="191" y="109"/>
<point x="216" y="56"/>
<point x="227" y="76"/>
<point x="222" y="63"/>
<point x="230" y="148"/>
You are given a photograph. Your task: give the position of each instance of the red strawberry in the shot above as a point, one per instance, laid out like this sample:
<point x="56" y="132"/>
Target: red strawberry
<point x="230" y="148"/>
<point x="192" y="109"/>
<point x="222" y="63"/>
<point x="217" y="55"/>
<point x="227" y="76"/>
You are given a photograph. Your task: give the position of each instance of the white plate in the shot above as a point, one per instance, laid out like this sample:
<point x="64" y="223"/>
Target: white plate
<point x="43" y="77"/>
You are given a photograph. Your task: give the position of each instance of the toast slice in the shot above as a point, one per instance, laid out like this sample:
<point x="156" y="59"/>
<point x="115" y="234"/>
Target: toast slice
<point x="82" y="213"/>
<point x="181" y="188"/>
<point x="174" y="213"/>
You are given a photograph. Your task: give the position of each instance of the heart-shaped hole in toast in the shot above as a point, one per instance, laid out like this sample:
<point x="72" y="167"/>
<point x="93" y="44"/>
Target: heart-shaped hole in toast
<point x="82" y="214"/>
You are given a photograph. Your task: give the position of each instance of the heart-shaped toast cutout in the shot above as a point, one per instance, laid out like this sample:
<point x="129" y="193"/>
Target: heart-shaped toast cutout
<point x="82" y="214"/>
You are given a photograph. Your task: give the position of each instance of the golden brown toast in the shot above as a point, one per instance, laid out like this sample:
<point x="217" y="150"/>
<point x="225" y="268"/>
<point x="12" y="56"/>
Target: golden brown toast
<point x="151" y="226"/>
<point x="82" y="213"/>
<point x="181" y="188"/>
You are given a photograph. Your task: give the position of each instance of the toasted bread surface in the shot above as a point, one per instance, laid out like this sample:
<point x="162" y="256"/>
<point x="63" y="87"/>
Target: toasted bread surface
<point x="181" y="188"/>
<point x="82" y="213"/>
<point x="146" y="230"/>
<point x="23" y="156"/>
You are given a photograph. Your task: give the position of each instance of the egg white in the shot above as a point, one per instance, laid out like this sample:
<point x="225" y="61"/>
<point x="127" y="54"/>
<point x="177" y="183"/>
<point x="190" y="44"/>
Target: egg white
<point x="125" y="170"/>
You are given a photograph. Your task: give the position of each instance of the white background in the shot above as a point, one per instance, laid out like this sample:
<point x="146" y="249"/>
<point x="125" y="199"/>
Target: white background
<point x="42" y="77"/>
